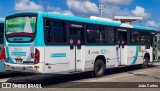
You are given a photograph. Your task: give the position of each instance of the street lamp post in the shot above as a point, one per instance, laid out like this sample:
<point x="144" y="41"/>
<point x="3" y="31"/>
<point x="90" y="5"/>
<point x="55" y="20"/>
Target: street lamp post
<point x="101" y="8"/>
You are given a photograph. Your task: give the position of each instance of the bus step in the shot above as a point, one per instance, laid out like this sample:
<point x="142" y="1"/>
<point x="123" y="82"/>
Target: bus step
<point x="121" y="66"/>
<point x="75" y="72"/>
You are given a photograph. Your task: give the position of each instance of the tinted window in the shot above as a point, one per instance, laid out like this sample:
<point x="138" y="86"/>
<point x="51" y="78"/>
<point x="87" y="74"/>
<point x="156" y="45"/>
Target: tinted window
<point x="110" y="35"/>
<point x="145" y="37"/>
<point x="134" y="37"/>
<point x="93" y="34"/>
<point x="55" y="31"/>
<point x="1" y="33"/>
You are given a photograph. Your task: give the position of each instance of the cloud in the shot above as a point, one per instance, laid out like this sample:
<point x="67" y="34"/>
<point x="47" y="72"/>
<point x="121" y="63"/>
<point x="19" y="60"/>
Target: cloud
<point x="152" y="24"/>
<point x="82" y="6"/>
<point x="27" y="5"/>
<point x="113" y="10"/>
<point x="59" y="11"/>
<point x="140" y="12"/>
<point x="117" y="2"/>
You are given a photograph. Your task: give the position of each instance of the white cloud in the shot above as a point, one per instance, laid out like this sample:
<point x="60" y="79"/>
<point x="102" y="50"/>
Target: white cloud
<point x="153" y="24"/>
<point x="82" y="6"/>
<point x="140" y="11"/>
<point x="113" y="10"/>
<point x="118" y="2"/>
<point x="59" y="11"/>
<point x="27" y="5"/>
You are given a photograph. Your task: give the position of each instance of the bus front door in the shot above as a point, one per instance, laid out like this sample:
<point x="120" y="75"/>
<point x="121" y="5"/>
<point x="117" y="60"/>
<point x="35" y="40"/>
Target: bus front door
<point x="122" y="41"/>
<point x="76" y="42"/>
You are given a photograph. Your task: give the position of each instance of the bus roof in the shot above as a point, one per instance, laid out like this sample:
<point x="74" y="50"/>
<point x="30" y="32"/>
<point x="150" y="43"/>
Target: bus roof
<point x="2" y="20"/>
<point x="85" y="20"/>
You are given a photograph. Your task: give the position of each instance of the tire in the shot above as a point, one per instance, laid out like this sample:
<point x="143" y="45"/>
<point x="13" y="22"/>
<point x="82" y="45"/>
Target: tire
<point x="145" y="63"/>
<point x="99" y="68"/>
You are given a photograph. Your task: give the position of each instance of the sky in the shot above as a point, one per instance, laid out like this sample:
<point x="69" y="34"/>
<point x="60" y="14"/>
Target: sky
<point x="148" y="9"/>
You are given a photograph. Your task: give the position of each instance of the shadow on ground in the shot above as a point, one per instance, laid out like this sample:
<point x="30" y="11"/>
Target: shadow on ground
<point x="50" y="80"/>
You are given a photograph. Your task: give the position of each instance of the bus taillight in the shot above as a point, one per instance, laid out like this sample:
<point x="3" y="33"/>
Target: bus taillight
<point x="36" y="56"/>
<point x="2" y="55"/>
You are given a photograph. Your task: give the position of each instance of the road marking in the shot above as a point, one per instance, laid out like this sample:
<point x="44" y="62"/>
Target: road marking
<point x="4" y="80"/>
<point x="111" y="78"/>
<point x="132" y="74"/>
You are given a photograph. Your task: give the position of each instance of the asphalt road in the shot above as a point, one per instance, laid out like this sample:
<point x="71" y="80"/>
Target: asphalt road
<point x="117" y="77"/>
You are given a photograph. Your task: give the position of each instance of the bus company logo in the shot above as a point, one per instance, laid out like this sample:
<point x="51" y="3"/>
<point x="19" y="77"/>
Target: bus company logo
<point x="6" y="85"/>
<point x="93" y="52"/>
<point x="103" y="51"/>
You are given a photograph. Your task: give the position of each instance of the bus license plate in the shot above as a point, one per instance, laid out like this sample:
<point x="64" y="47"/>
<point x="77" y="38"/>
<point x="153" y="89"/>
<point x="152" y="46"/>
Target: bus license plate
<point x="19" y="61"/>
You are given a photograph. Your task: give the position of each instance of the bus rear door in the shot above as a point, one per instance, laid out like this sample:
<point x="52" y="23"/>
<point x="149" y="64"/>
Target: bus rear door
<point x="76" y="55"/>
<point x="122" y="41"/>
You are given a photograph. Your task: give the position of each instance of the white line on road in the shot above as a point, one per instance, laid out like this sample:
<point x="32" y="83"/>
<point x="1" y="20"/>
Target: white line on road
<point x="110" y="78"/>
<point x="4" y="80"/>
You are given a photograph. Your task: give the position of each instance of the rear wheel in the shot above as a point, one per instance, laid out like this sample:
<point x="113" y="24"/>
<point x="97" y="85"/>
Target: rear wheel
<point x="99" y="68"/>
<point x="145" y="63"/>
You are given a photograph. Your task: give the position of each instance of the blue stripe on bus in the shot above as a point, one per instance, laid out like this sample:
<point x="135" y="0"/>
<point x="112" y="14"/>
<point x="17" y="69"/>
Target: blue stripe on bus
<point x="136" y="55"/>
<point x="18" y="45"/>
<point x="22" y="39"/>
<point x="144" y="28"/>
<point x="55" y="55"/>
<point x="9" y="58"/>
<point x="39" y="39"/>
<point x="2" y="68"/>
<point x="79" y="19"/>
<point x="2" y="20"/>
<point x="19" y="53"/>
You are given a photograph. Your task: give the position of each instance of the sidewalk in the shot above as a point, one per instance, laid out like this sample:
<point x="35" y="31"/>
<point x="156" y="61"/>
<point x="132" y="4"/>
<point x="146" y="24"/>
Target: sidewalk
<point x="157" y="63"/>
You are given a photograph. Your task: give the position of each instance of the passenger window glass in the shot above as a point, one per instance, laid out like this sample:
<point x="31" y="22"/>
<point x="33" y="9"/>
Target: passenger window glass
<point x="93" y="34"/>
<point x="111" y="35"/>
<point x="55" y="31"/>
<point x="145" y="37"/>
<point x="1" y="33"/>
<point x="134" y="37"/>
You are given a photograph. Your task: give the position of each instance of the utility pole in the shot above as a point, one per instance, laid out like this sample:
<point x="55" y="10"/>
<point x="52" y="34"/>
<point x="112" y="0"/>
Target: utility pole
<point x="101" y="8"/>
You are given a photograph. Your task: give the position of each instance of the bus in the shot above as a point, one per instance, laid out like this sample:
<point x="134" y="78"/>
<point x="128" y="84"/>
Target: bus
<point x="48" y="43"/>
<point x="2" y="69"/>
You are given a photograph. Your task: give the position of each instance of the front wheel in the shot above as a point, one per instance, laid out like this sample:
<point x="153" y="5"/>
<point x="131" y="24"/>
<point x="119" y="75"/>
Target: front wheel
<point x="99" y="68"/>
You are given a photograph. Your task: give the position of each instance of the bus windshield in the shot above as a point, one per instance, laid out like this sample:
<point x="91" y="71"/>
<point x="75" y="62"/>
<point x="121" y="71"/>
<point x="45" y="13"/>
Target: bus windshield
<point x="20" y="29"/>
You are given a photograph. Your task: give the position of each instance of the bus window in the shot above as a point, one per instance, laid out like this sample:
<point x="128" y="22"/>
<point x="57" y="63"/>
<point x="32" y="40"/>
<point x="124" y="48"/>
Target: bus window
<point x="55" y="31"/>
<point x="145" y="37"/>
<point x="1" y="33"/>
<point x="134" y="37"/>
<point x="93" y="34"/>
<point x="111" y="35"/>
<point x="21" y="29"/>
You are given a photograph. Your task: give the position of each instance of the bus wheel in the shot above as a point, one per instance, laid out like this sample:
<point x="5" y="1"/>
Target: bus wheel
<point x="99" y="68"/>
<point x="145" y="63"/>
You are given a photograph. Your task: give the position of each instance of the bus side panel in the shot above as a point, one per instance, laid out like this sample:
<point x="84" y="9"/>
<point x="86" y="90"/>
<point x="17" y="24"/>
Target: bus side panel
<point x="57" y="58"/>
<point x="109" y="52"/>
<point x="136" y="54"/>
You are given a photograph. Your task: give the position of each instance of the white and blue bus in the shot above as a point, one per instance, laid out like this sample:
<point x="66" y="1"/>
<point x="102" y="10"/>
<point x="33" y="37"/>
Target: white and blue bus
<point x="42" y="42"/>
<point x="2" y="53"/>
